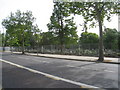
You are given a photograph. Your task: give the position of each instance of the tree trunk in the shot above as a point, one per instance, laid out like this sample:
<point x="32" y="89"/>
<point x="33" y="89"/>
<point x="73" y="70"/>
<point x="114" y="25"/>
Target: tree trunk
<point x="62" y="31"/>
<point x="61" y="47"/>
<point x="23" y="47"/>
<point x="101" y="56"/>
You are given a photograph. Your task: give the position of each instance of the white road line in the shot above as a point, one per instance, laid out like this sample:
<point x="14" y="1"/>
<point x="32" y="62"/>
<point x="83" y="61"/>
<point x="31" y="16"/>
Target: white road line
<point x="50" y="76"/>
<point x="108" y="71"/>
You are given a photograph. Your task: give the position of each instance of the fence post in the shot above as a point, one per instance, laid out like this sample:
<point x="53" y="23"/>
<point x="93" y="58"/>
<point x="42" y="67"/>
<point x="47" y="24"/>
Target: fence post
<point x="42" y="49"/>
<point x="51" y="48"/>
<point x="37" y="50"/>
<point x="11" y="50"/>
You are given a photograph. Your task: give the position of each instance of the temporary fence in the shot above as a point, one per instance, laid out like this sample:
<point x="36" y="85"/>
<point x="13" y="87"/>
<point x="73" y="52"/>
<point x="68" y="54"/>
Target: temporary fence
<point x="79" y="49"/>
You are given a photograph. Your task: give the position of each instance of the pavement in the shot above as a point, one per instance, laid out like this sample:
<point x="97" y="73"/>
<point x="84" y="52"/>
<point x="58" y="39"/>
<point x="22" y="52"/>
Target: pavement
<point x="78" y="58"/>
<point x="29" y="79"/>
<point x="29" y="71"/>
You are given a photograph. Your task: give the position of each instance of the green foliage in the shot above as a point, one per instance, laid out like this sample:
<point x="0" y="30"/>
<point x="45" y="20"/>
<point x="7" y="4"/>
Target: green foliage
<point x="62" y="26"/>
<point x="94" y="10"/>
<point x="0" y="39"/>
<point x="19" y="28"/>
<point x="47" y="38"/>
<point x="89" y="38"/>
<point x="119" y="41"/>
<point x="110" y="38"/>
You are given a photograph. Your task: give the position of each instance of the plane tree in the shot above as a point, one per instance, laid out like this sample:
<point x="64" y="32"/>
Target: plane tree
<point x="96" y="13"/>
<point x="19" y="28"/>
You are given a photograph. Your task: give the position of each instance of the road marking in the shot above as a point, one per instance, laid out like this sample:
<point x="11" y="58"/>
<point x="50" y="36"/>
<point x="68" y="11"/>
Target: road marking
<point x="52" y="77"/>
<point x="108" y="71"/>
<point x="48" y="75"/>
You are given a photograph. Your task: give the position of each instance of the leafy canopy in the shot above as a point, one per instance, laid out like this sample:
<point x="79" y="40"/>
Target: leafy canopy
<point x="61" y="24"/>
<point x="19" y="27"/>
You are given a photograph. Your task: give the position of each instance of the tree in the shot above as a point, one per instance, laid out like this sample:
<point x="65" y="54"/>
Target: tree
<point x="19" y="26"/>
<point x="89" y="38"/>
<point x="92" y="11"/>
<point x="119" y="40"/>
<point x="47" y="38"/>
<point x="0" y="39"/>
<point x="32" y="37"/>
<point x="110" y="38"/>
<point x="63" y="28"/>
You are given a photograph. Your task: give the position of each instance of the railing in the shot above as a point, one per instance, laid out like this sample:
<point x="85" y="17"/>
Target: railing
<point x="83" y="49"/>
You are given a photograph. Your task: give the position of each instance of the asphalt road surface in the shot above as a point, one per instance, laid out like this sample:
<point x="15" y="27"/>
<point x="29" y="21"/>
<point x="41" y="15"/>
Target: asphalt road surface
<point x="22" y="71"/>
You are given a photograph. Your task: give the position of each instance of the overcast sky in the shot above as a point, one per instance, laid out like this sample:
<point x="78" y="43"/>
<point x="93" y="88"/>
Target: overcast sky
<point x="42" y="10"/>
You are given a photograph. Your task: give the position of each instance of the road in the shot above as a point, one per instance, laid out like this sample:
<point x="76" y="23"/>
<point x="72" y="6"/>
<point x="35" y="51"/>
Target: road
<point x="22" y="71"/>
